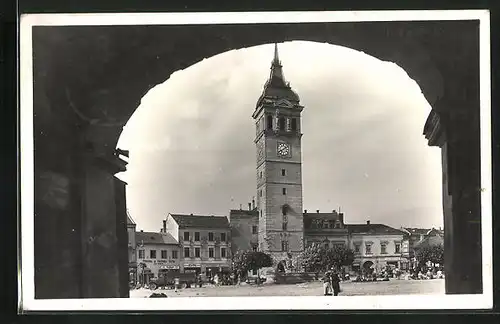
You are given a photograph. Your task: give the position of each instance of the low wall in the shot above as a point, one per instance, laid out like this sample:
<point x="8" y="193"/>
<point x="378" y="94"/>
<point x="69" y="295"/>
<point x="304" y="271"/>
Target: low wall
<point x="294" y="278"/>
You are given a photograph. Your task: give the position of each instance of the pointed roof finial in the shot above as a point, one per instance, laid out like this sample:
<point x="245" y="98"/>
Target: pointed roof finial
<point x="276" y="56"/>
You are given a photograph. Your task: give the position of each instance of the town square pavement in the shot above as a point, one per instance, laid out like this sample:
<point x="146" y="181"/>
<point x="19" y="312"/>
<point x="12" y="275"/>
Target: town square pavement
<point x="393" y="287"/>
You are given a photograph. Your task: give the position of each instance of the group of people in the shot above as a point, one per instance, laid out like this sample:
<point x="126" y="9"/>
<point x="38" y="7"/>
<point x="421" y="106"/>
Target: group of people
<point x="331" y="283"/>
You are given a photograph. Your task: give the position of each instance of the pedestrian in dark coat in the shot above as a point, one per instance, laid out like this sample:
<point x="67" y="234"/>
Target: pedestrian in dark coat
<point x="335" y="284"/>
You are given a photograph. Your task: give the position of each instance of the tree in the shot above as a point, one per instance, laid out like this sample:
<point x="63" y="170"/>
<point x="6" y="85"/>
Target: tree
<point x="318" y="258"/>
<point x="432" y="253"/>
<point x="250" y="260"/>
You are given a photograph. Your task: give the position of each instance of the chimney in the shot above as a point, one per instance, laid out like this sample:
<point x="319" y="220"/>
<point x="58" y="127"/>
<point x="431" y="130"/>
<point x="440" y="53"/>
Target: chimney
<point x="341" y="218"/>
<point x="191" y="214"/>
<point x="253" y="204"/>
<point x="164" y="226"/>
<point x="334" y="211"/>
<point x="240" y="206"/>
<point x="367" y="222"/>
<point x="142" y="231"/>
<point x="249" y="206"/>
<point x="317" y="211"/>
<point x="305" y="211"/>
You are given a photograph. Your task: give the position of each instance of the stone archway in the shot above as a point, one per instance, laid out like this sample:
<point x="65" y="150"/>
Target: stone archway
<point x="89" y="80"/>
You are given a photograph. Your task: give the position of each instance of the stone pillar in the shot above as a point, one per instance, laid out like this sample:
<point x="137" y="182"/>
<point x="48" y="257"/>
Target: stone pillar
<point x="459" y="143"/>
<point x="104" y="236"/>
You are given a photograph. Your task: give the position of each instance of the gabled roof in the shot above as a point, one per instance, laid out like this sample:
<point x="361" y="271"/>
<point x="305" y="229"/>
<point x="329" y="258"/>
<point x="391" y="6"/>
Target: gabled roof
<point x="243" y="213"/>
<point x="200" y="221"/>
<point x="374" y="229"/>
<point x="417" y="231"/>
<point x="154" y="238"/>
<point x="333" y="215"/>
<point x="430" y="241"/>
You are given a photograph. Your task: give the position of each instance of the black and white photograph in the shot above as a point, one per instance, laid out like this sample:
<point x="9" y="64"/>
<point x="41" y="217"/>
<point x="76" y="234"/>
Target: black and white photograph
<point x="256" y="161"/>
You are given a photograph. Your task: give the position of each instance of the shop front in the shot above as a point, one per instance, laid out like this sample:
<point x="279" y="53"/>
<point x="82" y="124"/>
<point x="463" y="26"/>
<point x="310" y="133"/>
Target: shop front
<point x="192" y="267"/>
<point x="166" y="269"/>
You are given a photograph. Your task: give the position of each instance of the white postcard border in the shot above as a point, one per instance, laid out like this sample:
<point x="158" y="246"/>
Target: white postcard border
<point x="29" y="303"/>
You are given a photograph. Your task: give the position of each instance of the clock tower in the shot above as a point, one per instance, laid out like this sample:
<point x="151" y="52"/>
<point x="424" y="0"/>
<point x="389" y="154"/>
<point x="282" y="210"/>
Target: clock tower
<point x="279" y="166"/>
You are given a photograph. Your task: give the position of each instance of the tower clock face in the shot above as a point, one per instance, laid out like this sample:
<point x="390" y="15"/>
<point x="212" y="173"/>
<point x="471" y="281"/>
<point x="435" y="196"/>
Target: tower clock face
<point x="283" y="149"/>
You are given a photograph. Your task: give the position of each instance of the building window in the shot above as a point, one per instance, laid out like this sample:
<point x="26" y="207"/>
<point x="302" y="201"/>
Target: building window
<point x="210" y="236"/>
<point x="141" y="254"/>
<point x="294" y="124"/>
<point x="164" y="254"/>
<point x="368" y="248"/>
<point x="186" y="236"/>
<point x="356" y="248"/>
<point x="285" y="225"/>
<point x="186" y="252"/>
<point x="269" y="122"/>
<point x="398" y="248"/>
<point x="223" y="237"/>
<point x="383" y="248"/>
<point x="284" y="246"/>
<point x="254" y="272"/>
<point x="254" y="227"/>
<point x="281" y="123"/>
<point x="261" y="213"/>
<point x="210" y="252"/>
<point x="284" y="210"/>
<point x="152" y="254"/>
<point x="327" y="245"/>
<point x="196" y="236"/>
<point x="197" y="252"/>
<point x="175" y="255"/>
<point x="337" y="224"/>
<point x="283" y="172"/>
<point x="260" y="192"/>
<point x="284" y="191"/>
<point x="222" y="252"/>
<point x="260" y="175"/>
<point x="254" y="247"/>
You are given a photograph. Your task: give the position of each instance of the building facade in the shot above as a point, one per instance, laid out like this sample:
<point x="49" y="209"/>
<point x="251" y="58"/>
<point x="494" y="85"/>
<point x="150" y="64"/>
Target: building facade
<point x="279" y="166"/>
<point x="376" y="246"/>
<point x="244" y="226"/>
<point x="156" y="253"/>
<point x="326" y="229"/>
<point x="204" y="242"/>
<point x="132" y="249"/>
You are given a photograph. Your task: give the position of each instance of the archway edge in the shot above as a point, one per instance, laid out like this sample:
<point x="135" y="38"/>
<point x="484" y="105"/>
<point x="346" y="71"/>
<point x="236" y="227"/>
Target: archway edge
<point x="110" y="68"/>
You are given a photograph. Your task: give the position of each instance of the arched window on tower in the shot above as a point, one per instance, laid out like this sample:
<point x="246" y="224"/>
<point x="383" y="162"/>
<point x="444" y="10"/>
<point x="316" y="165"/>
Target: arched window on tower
<point x="281" y="123"/>
<point x="294" y="124"/>
<point x="284" y="210"/>
<point x="269" y="122"/>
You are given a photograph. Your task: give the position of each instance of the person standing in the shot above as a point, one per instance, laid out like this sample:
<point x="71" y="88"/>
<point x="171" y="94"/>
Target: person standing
<point x="335" y="279"/>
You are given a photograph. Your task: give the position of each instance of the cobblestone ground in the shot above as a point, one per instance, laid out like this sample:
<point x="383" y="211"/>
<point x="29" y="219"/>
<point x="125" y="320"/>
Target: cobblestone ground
<point x="393" y="287"/>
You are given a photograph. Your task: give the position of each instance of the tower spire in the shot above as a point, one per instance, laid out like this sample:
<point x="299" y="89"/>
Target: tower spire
<point x="276" y="60"/>
<point x="277" y="78"/>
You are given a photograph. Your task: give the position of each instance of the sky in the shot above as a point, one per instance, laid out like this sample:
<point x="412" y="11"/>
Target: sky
<point x="192" y="151"/>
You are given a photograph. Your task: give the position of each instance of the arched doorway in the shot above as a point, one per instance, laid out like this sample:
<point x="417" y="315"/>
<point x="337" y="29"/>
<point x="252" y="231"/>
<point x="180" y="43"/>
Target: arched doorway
<point x="80" y="111"/>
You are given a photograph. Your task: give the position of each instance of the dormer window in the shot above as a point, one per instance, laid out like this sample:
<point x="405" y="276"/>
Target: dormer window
<point x="294" y="124"/>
